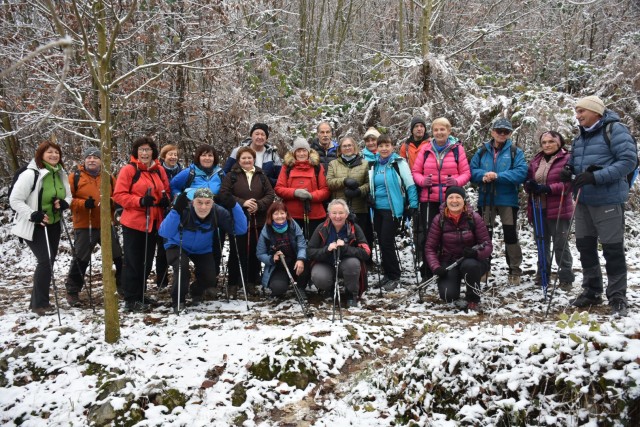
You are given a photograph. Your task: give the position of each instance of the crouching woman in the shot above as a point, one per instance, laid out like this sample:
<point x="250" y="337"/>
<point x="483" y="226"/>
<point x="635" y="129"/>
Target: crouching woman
<point x="281" y="240"/>
<point x="191" y="233"/>
<point x="339" y="241"/>
<point x="458" y="232"/>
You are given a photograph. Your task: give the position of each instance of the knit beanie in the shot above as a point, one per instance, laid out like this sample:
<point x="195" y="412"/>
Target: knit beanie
<point x="91" y="151"/>
<point x="455" y="190"/>
<point x="591" y="103"/>
<point x="260" y="126"/>
<point x="300" y="142"/>
<point x="415" y="121"/>
<point x="203" y="192"/>
<point x="372" y="132"/>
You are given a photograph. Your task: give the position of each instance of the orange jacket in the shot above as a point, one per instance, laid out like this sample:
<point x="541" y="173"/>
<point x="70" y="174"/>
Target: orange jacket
<point x="413" y="150"/>
<point x="88" y="186"/>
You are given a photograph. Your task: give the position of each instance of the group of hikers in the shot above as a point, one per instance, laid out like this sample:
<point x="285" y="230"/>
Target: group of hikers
<point x="315" y="215"/>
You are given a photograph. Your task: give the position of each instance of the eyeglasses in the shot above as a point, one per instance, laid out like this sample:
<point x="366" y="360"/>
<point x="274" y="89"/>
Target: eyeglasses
<point x="502" y="131"/>
<point x="145" y="150"/>
<point x="343" y="146"/>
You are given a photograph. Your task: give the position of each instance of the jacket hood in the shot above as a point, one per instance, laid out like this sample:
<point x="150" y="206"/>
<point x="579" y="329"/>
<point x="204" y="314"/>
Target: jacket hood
<point x="142" y="166"/>
<point x="290" y="159"/>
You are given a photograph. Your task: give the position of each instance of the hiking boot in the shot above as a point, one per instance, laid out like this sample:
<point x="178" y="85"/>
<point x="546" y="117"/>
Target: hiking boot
<point x="352" y="302"/>
<point x="150" y="301"/>
<point x="233" y="292"/>
<point x="390" y="285"/>
<point x="619" y="308"/>
<point x="40" y="311"/>
<point x="136" y="306"/>
<point x="586" y="299"/>
<point x="566" y="286"/>
<point x="196" y="300"/>
<point x="178" y="309"/>
<point x="73" y="300"/>
<point x="474" y="306"/>
<point x="210" y="294"/>
<point x="383" y="282"/>
<point x="514" y="279"/>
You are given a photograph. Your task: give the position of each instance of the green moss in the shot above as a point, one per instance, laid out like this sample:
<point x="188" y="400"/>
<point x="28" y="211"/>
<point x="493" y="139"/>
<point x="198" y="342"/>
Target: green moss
<point x="239" y="395"/>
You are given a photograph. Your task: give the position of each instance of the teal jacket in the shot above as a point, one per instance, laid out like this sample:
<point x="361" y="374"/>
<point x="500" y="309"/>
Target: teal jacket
<point x="398" y="181"/>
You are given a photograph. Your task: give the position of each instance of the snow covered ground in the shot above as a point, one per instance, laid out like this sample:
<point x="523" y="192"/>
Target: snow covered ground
<point x="388" y="363"/>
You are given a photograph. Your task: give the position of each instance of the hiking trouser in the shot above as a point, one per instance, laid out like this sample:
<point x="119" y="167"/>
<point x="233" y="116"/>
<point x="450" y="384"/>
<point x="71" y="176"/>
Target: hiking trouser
<point x="386" y="227"/>
<point x="324" y="275"/>
<point x="42" y="275"/>
<point x="508" y="217"/>
<point x="134" y="276"/>
<point x="470" y="270"/>
<point x="205" y="272"/>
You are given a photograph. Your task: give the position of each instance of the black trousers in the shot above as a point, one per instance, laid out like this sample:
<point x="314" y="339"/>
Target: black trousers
<point x="42" y="275"/>
<point x="205" y="272"/>
<point x="385" y="227"/>
<point x="134" y="275"/>
<point x="470" y="270"/>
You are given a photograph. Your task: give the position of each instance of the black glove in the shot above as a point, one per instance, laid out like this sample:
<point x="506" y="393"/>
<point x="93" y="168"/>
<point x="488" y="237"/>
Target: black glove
<point x="37" y="217"/>
<point x="90" y="203"/>
<point x="181" y="202"/>
<point x="543" y="189"/>
<point x="63" y="205"/>
<point x="412" y="212"/>
<point x="164" y="202"/>
<point x="371" y="201"/>
<point x="529" y="185"/>
<point x="440" y="272"/>
<point x="468" y="252"/>
<point x="351" y="183"/>
<point x="583" y="179"/>
<point x="147" y="201"/>
<point x="566" y="174"/>
<point x="351" y="193"/>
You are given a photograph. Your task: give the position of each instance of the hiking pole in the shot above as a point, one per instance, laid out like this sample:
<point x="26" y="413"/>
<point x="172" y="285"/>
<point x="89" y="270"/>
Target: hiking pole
<point x="336" y="287"/>
<point x="564" y="247"/>
<point x="553" y="251"/>
<point x="303" y="304"/>
<point x="179" y="271"/>
<point x="543" y="253"/>
<point x="53" y="279"/>
<point x="244" y="287"/>
<point x="375" y="248"/>
<point x="307" y="209"/>
<point x="90" y="260"/>
<point x="146" y="243"/>
<point x="409" y="228"/>
<point x="537" y="235"/>
<point x="223" y="268"/>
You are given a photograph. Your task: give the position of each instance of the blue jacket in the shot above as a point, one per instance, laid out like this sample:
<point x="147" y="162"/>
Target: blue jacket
<point x="368" y="155"/>
<point x="505" y="190"/>
<point x="590" y="148"/>
<point x="265" y="251"/>
<point x="199" y="236"/>
<point x="200" y="180"/>
<point x="271" y="162"/>
<point x="397" y="185"/>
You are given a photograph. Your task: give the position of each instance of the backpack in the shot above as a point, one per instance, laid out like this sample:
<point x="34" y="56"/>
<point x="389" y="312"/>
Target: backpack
<point x="456" y="154"/>
<point x="76" y="180"/>
<point x="136" y="176"/>
<point x="631" y="176"/>
<point x="36" y="174"/>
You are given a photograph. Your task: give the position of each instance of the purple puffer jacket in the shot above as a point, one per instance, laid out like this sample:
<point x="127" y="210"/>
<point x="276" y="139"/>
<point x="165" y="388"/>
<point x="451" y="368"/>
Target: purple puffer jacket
<point x="439" y="171"/>
<point x="557" y="187"/>
<point x="445" y="244"/>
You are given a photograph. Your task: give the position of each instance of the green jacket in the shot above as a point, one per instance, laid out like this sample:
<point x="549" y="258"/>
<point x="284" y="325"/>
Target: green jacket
<point x="358" y="170"/>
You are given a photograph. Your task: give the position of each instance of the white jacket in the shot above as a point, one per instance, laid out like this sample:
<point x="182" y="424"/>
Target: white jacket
<point x="25" y="202"/>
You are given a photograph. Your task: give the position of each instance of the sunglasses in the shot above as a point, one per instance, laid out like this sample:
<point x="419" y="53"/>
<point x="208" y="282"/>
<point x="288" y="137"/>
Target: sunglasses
<point x="502" y="131"/>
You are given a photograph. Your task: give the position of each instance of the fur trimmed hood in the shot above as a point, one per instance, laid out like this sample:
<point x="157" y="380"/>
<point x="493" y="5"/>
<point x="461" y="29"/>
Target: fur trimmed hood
<point x="289" y="158"/>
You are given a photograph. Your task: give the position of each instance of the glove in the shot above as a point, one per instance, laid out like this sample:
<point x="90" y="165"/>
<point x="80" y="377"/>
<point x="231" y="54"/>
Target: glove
<point x="594" y="168"/>
<point x="302" y="194"/>
<point x="147" y="201"/>
<point x="352" y="193"/>
<point x="469" y="252"/>
<point x="543" y="189"/>
<point x="181" y="203"/>
<point x="428" y="181"/>
<point x="37" y="217"/>
<point x="371" y="201"/>
<point x="164" y="201"/>
<point x="351" y="183"/>
<point x="583" y="179"/>
<point x="440" y="272"/>
<point x="566" y="174"/>
<point x="63" y="205"/>
<point x="530" y="185"/>
<point x="412" y="212"/>
<point x="451" y="181"/>
<point x="90" y="203"/>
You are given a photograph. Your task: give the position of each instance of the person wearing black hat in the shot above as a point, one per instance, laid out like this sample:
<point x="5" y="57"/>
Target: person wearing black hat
<point x="85" y="209"/>
<point x="267" y="157"/>
<point x="458" y="232"/>
<point x="409" y="150"/>
<point x="499" y="168"/>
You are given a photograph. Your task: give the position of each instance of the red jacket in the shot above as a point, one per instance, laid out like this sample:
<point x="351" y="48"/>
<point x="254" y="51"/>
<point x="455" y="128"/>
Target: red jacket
<point x="154" y="178"/>
<point x="295" y="175"/>
<point x="88" y="186"/>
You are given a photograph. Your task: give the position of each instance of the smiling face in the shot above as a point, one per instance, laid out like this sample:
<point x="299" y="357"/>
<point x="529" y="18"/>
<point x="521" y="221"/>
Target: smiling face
<point x="338" y="215"/>
<point x="206" y="159"/>
<point x="371" y="143"/>
<point x="258" y="139"/>
<point x="418" y="132"/>
<point x="246" y="161"/>
<point x="92" y="163"/>
<point x="440" y="133"/>
<point x="385" y="149"/>
<point x="202" y="206"/>
<point x="549" y="144"/>
<point x="455" y="203"/>
<point x="586" y="118"/>
<point x="145" y="154"/>
<point x="500" y="136"/>
<point x="51" y="156"/>
<point x="301" y="154"/>
<point x="171" y="158"/>
<point x="279" y="217"/>
<point x="348" y="147"/>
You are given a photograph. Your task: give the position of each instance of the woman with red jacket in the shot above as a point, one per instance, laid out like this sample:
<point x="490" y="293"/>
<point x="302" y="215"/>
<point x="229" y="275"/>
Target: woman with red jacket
<point x="142" y="189"/>
<point x="554" y="196"/>
<point x="303" y="187"/>
<point x="458" y="232"/>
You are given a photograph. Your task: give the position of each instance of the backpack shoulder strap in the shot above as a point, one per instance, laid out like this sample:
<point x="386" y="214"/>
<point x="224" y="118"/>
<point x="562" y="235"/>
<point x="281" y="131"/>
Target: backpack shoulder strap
<point x="514" y="150"/>
<point x="76" y="180"/>
<point x="190" y="178"/>
<point x="136" y="176"/>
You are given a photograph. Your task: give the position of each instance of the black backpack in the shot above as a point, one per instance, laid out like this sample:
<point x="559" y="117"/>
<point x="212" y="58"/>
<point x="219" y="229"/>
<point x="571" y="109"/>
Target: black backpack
<point x="36" y="174"/>
<point x="136" y="175"/>
<point x="631" y="176"/>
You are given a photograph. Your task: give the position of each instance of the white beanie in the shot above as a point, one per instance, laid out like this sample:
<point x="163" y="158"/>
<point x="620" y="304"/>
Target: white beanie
<point x="371" y="132"/>
<point x="300" y="142"/>
<point x="591" y="103"/>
